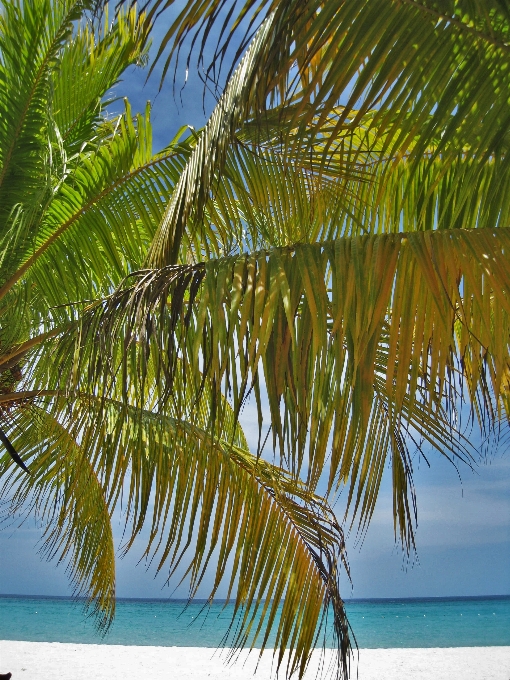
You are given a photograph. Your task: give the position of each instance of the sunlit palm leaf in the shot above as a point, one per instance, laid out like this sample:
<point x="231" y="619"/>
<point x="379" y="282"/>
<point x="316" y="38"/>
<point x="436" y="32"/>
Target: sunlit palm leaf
<point x="205" y="499"/>
<point x="86" y="241"/>
<point x="29" y="54"/>
<point x="433" y="77"/>
<point x="64" y="495"/>
<point x="96" y="62"/>
<point x="398" y="319"/>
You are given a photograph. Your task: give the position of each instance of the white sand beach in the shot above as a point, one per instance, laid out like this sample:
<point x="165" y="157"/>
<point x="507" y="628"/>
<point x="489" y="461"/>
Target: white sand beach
<point x="58" y="661"/>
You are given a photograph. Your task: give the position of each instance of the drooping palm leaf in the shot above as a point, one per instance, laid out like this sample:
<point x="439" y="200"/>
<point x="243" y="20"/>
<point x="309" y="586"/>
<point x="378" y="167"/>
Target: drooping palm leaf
<point x="361" y="339"/>
<point x="206" y="500"/>
<point x="433" y="76"/>
<point x="368" y="324"/>
<point x="65" y="496"/>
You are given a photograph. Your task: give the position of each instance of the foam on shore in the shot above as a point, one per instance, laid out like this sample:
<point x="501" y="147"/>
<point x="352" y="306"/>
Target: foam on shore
<point x="64" y="661"/>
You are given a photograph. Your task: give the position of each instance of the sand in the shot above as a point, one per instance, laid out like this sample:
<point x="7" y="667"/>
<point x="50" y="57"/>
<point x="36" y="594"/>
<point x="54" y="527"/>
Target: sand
<point x="58" y="661"/>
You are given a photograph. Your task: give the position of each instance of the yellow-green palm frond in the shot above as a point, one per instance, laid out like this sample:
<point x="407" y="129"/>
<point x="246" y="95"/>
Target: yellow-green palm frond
<point x="64" y="495"/>
<point x="207" y="501"/>
<point x="370" y="341"/>
<point x="268" y="197"/>
<point x="428" y="82"/>
<point x="343" y="184"/>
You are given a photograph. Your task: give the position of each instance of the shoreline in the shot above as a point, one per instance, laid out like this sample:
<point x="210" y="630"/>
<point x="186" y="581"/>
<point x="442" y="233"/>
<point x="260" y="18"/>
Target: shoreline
<point x="68" y="661"/>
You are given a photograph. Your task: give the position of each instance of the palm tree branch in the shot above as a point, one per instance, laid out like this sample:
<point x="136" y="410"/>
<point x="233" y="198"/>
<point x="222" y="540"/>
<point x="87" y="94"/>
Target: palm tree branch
<point x="93" y="201"/>
<point x="183" y="462"/>
<point x="465" y="28"/>
<point x="325" y="354"/>
<point x="75" y="11"/>
<point x="64" y="492"/>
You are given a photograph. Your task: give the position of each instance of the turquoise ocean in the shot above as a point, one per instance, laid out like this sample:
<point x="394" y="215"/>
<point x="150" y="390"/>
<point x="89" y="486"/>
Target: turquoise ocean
<point x="432" y="622"/>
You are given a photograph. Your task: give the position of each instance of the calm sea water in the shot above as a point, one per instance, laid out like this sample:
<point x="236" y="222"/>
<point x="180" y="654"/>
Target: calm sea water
<point x="436" y="622"/>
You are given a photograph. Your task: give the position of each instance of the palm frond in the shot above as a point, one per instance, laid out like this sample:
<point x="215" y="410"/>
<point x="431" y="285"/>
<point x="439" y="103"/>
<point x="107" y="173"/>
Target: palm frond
<point x="85" y="241"/>
<point x="207" y="500"/>
<point x="271" y="195"/>
<point x="62" y="162"/>
<point x="208" y="157"/>
<point x="96" y="62"/>
<point x="366" y="340"/>
<point x="431" y="80"/>
<point x="65" y="496"/>
<point x="31" y="38"/>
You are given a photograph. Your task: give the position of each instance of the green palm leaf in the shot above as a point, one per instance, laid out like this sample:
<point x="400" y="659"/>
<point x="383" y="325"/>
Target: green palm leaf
<point x="65" y="496"/>
<point x="431" y="79"/>
<point x="211" y="495"/>
<point x="390" y="334"/>
<point x="86" y="241"/>
<point x="338" y="229"/>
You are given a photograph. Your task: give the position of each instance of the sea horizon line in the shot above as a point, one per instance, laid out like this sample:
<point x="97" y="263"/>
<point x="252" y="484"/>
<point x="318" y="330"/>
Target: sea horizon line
<point x="184" y="600"/>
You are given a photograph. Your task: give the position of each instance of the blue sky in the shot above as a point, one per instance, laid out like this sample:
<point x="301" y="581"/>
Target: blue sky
<point x="463" y="536"/>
